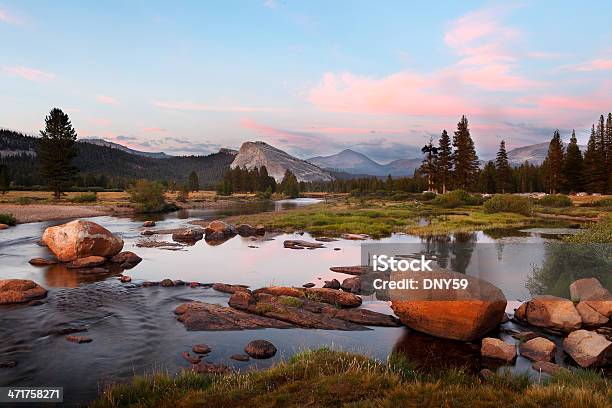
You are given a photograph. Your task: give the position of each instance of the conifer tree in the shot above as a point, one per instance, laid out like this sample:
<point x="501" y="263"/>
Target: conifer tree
<point x="609" y="150"/>
<point x="444" y="163"/>
<point x="290" y="185"/>
<point x="489" y="178"/>
<point x="465" y="160"/>
<point x="5" y="181"/>
<point x="553" y="164"/>
<point x="502" y="169"/>
<point x="572" y="168"/>
<point x="56" y="150"/>
<point x="592" y="165"/>
<point x="428" y="166"/>
<point x="194" y="183"/>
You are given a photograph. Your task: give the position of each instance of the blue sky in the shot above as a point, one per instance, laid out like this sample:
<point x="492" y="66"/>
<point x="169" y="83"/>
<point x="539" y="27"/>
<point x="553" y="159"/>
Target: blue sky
<point x="310" y="77"/>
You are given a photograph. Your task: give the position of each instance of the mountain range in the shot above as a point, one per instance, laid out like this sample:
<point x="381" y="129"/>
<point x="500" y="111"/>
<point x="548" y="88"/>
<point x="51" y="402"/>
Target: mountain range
<point x="112" y="145"/>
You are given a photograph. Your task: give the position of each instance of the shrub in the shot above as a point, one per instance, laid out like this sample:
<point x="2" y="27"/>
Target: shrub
<point x="604" y="202"/>
<point x="428" y="195"/>
<point x="7" y="219"/>
<point x="85" y="198"/>
<point x="454" y="199"/>
<point x="557" y="201"/>
<point x="508" y="203"/>
<point x="148" y="196"/>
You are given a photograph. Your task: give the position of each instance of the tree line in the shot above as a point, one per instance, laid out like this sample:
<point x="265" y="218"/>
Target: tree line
<point x="257" y="180"/>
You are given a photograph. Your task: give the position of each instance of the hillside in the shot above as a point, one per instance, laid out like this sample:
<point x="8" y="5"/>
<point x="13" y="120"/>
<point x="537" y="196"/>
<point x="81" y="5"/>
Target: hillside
<point x="258" y="154"/>
<point x="349" y="161"/>
<point x="118" y="166"/>
<point x="102" y="142"/>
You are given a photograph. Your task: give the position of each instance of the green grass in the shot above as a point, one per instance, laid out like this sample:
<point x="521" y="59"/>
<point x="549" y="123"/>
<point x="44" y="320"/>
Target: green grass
<point x="508" y="203"/>
<point x="84" y="198"/>
<point x="8" y="219"/>
<point x="326" y="378"/>
<point x="290" y="301"/>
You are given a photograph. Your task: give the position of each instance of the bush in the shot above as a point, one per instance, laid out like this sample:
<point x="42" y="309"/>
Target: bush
<point x="7" y="219"/>
<point x="557" y="201"/>
<point x="148" y="196"/>
<point x="508" y="203"/>
<point x="428" y="195"/>
<point x="454" y="199"/>
<point x="85" y="198"/>
<point x="604" y="202"/>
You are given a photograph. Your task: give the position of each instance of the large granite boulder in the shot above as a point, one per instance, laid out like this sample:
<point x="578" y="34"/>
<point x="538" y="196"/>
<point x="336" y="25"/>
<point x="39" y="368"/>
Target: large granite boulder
<point x="19" y="291"/>
<point x="591" y="292"/>
<point x="459" y="314"/>
<point x="538" y="349"/>
<point x="219" y="230"/>
<point x="498" y="349"/>
<point x="553" y="312"/>
<point x="588" y="349"/>
<point x="79" y="239"/>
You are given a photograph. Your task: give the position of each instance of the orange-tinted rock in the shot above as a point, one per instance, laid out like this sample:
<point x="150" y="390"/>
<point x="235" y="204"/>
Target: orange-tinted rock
<point x="79" y="239"/>
<point x="3" y="226"/>
<point x="20" y="291"/>
<point x="227" y="288"/>
<point x="148" y="224"/>
<point x="521" y="312"/>
<point x="260" y="349"/>
<point x="588" y="348"/>
<point x="126" y="257"/>
<point x="42" y="261"/>
<point x="87" y="262"/>
<point x="282" y="291"/>
<point x="334" y="297"/>
<point x="589" y="289"/>
<point x="458" y="314"/>
<point x="498" y="349"/>
<point x="554" y="313"/>
<point x="538" y="349"/>
<point x="590" y="317"/>
<point x="548" y="367"/>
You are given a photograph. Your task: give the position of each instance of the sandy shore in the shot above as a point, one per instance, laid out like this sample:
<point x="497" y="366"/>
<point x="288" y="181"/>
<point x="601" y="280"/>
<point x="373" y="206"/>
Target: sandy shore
<point x="48" y="212"/>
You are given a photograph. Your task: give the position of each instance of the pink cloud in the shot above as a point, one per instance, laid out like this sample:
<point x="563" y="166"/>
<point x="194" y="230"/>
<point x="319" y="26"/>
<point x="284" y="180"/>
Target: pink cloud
<point x="546" y="55"/>
<point x="198" y="107"/>
<point x="31" y="74"/>
<point x="153" y="130"/>
<point x="250" y="124"/>
<point x="100" y="121"/>
<point x="598" y="64"/>
<point x="108" y="100"/>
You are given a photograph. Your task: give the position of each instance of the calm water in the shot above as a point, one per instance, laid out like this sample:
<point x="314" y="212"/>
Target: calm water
<point x="134" y="328"/>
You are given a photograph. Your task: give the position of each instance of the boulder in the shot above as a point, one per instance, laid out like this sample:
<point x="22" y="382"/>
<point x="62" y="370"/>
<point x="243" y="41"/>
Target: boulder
<point x="87" y="262"/>
<point x="240" y="357"/>
<point x="498" y="349"/>
<point x="538" y="349"/>
<point x="125" y="279"/>
<point x="79" y="239"/>
<point x="227" y="288"/>
<point x="588" y="349"/>
<point x="246" y="230"/>
<point x="260" y="229"/>
<point x="148" y="224"/>
<point x="167" y="283"/>
<point x="333" y="297"/>
<point x="126" y="257"/>
<point x="19" y="291"/>
<point x="332" y="284"/>
<point x="43" y="261"/>
<point x="281" y="291"/>
<point x="192" y="360"/>
<point x="309" y="285"/>
<point x="218" y="231"/>
<point x="521" y="312"/>
<point x="352" y="284"/>
<point x="458" y="314"/>
<point x="189" y="235"/>
<point x="591" y="291"/>
<point x="3" y="227"/>
<point x="525" y="335"/>
<point x="548" y="367"/>
<point x="201" y="349"/>
<point x="590" y="317"/>
<point x="553" y="312"/>
<point x="260" y="349"/>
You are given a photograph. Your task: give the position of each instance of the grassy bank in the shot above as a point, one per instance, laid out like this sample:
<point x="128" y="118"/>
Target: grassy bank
<point x="379" y="218"/>
<point x="325" y="378"/>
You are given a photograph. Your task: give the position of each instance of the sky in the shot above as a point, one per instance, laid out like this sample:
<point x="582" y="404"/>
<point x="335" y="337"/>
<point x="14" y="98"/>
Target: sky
<point x="309" y="77"/>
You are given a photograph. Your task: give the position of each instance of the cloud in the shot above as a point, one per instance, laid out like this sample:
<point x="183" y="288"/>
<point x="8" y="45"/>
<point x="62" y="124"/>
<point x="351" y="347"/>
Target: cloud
<point x="108" y="100"/>
<point x="270" y="3"/>
<point x="546" y="55"/>
<point x="153" y="130"/>
<point x="31" y="74"/>
<point x="599" y="64"/>
<point x="198" y="107"/>
<point x="100" y="121"/>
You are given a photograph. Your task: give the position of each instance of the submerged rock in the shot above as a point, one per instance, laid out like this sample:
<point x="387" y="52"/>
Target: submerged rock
<point x="126" y="257"/>
<point x="553" y="312"/>
<point x="79" y="339"/>
<point x="188" y="235"/>
<point x="260" y="349"/>
<point x="198" y="316"/>
<point x="192" y="360"/>
<point x="210" y="368"/>
<point x="458" y="314"/>
<point x="588" y="348"/>
<point x="498" y="349"/>
<point x="79" y="239"/>
<point x="87" y="262"/>
<point x="42" y="261"/>
<point x="20" y="291"/>
<point x="240" y="357"/>
<point x="148" y="224"/>
<point x="299" y="244"/>
<point x="201" y="349"/>
<point x="538" y="349"/>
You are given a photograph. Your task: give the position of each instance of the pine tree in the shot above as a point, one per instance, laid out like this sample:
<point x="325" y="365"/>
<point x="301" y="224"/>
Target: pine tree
<point x="290" y="185"/>
<point x="465" y="160"/>
<point x="553" y="164"/>
<point x="488" y="179"/>
<point x="592" y="165"/>
<point x="56" y="150"/>
<point x="609" y="150"/>
<point x="572" y="167"/>
<point x="428" y="166"/>
<point x="444" y="163"/>
<point x="502" y="169"/>
<point x="389" y="184"/>
<point x="194" y="183"/>
<point x="5" y="181"/>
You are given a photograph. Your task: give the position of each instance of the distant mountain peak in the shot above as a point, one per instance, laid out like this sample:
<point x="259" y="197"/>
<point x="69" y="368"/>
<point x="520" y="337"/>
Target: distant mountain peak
<point x="113" y="145"/>
<point x="257" y="154"/>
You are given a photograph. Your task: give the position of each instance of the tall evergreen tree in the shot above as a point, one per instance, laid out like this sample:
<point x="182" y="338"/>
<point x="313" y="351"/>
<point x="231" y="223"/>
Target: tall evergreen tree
<point x="56" y="150"/>
<point x="593" y="168"/>
<point x="428" y="166"/>
<point x="488" y="179"/>
<point x="553" y="164"/>
<point x="572" y="167"/>
<point x="609" y="150"/>
<point x="465" y="160"/>
<point x="502" y="169"/>
<point x="5" y="181"/>
<point x="444" y="162"/>
<point x="194" y="183"/>
<point x="289" y="185"/>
